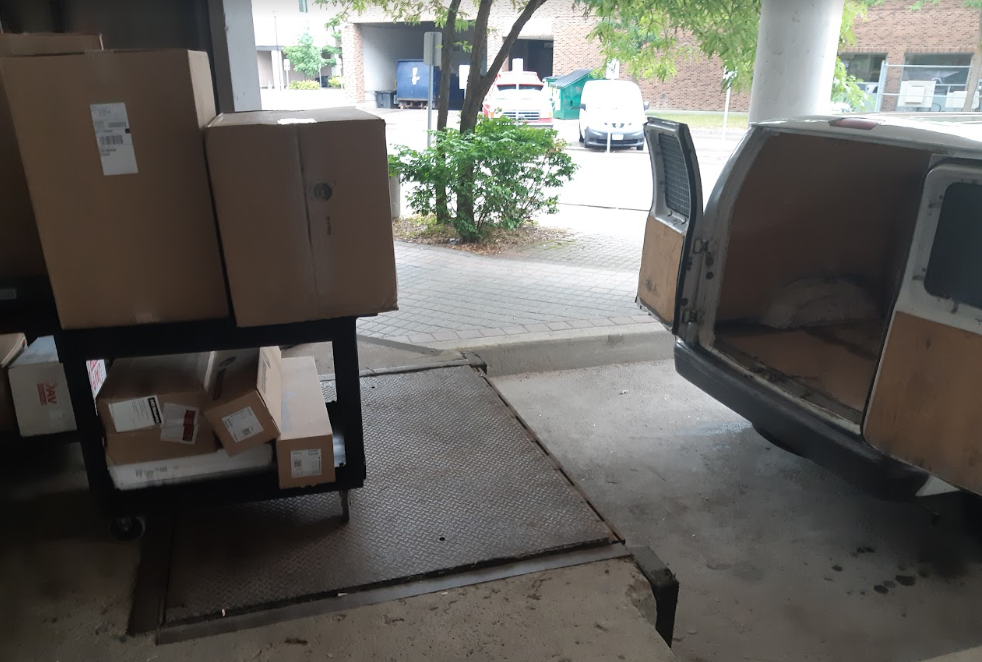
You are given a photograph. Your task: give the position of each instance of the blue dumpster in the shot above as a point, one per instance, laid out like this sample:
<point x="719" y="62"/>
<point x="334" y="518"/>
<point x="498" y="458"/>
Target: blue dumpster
<point x="412" y="82"/>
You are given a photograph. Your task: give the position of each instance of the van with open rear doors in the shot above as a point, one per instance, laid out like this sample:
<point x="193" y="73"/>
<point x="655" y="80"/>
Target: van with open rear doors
<point x="831" y="290"/>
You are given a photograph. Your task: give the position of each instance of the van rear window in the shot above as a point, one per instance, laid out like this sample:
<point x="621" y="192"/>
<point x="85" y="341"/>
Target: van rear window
<point x="955" y="268"/>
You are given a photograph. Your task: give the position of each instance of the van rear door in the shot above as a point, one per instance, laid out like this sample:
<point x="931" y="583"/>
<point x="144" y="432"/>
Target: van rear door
<point x="926" y="403"/>
<point x="676" y="206"/>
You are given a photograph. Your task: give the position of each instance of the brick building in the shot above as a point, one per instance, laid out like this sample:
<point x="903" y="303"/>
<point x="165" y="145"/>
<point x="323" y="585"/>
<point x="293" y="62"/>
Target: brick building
<point x="938" y="39"/>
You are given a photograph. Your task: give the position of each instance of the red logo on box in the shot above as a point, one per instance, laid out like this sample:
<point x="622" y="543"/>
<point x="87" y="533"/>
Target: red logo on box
<point x="47" y="393"/>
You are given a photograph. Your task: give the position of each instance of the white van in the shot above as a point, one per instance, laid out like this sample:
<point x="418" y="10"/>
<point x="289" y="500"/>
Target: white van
<point x="831" y="290"/>
<point x="614" y="109"/>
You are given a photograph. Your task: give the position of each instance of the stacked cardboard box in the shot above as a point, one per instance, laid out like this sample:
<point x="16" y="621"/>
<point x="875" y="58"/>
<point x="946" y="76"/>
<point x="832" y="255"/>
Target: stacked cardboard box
<point x="113" y="162"/>
<point x="162" y="413"/>
<point x="20" y="247"/>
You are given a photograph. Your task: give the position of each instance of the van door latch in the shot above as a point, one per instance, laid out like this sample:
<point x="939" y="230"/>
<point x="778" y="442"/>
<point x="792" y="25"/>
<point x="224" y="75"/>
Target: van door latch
<point x="691" y="316"/>
<point x="700" y="246"/>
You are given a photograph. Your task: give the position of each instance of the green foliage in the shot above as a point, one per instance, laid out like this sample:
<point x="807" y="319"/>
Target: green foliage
<point x="652" y="36"/>
<point x="304" y="85"/>
<point x="306" y="57"/>
<point x="845" y="89"/>
<point x="512" y="169"/>
<point x="335" y="81"/>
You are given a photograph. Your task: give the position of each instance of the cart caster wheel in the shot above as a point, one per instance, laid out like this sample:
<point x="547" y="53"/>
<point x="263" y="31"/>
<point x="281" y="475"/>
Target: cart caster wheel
<point x="127" y="529"/>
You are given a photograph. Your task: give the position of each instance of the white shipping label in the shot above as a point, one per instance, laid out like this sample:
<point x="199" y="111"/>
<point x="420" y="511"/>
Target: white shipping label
<point x="136" y="414"/>
<point x="180" y="424"/>
<point x="242" y="424"/>
<point x="306" y="462"/>
<point x="112" y="134"/>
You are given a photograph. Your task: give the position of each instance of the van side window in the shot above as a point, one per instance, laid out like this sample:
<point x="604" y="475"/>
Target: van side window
<point x="955" y="268"/>
<point x="676" y="185"/>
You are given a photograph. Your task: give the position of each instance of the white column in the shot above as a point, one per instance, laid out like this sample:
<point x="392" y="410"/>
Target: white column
<point x="796" y="49"/>
<point x="233" y="42"/>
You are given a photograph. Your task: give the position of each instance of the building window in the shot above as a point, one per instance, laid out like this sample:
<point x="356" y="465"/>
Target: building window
<point x="303" y="6"/>
<point x="864" y="66"/>
<point x="955" y="271"/>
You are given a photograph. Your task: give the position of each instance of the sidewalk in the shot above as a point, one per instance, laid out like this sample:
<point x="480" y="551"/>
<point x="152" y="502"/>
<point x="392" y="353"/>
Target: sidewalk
<point x="448" y="295"/>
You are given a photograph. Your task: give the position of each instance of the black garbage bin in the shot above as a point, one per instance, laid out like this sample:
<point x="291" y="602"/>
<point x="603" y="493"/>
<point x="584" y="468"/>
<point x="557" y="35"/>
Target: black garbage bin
<point x="385" y="98"/>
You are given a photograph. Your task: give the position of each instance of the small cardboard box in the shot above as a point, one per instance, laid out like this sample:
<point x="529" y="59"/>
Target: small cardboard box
<point x="11" y="345"/>
<point x="302" y="199"/>
<point x="152" y="408"/>
<point x="244" y="397"/>
<point x="115" y="164"/>
<point x="20" y="247"/>
<point x="305" y="447"/>
<point x="40" y="392"/>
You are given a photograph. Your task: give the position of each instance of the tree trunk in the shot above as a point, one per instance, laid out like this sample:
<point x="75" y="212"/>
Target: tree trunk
<point x="446" y="54"/>
<point x="478" y="85"/>
<point x="973" y="73"/>
<point x="443" y="100"/>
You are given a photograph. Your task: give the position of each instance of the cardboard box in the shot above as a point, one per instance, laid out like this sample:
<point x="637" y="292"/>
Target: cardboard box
<point x="20" y="247"/>
<point x="305" y="447"/>
<point x="244" y="392"/>
<point x="115" y="165"/>
<point x="11" y="345"/>
<point x="303" y="208"/>
<point x="40" y="393"/>
<point x="153" y="408"/>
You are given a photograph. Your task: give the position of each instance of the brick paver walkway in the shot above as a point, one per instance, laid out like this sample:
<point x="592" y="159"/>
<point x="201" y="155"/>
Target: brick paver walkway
<point x="447" y="295"/>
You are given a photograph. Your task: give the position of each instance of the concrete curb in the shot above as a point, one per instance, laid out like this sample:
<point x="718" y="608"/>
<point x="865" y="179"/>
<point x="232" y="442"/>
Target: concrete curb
<point x="566" y="351"/>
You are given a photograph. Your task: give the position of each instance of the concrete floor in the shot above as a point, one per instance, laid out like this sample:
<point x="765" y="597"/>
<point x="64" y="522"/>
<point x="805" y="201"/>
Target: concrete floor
<point x="65" y="596"/>
<point x="778" y="560"/>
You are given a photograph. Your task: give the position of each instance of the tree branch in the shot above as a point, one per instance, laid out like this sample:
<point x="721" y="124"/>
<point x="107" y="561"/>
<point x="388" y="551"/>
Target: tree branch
<point x="499" y="59"/>
<point x="446" y="53"/>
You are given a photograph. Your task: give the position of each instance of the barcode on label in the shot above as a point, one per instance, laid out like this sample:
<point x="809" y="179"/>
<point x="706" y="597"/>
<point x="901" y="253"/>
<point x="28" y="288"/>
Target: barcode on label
<point x="110" y="140"/>
<point x="298" y="464"/>
<point x="246" y="432"/>
<point x="116" y="125"/>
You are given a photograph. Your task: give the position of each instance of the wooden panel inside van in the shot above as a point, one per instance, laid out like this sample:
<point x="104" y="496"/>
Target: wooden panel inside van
<point x="813" y="207"/>
<point x="658" y="278"/>
<point x="926" y="410"/>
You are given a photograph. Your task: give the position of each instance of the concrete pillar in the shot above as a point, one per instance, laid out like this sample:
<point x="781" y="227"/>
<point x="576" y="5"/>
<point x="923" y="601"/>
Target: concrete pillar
<point x="796" y="50"/>
<point x="233" y="42"/>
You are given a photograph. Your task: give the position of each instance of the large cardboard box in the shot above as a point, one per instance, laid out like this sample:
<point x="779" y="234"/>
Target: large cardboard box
<point x="153" y="408"/>
<point x="20" y="247"/>
<point x="244" y="397"/>
<point x="305" y="447"/>
<point x="40" y="392"/>
<point x="11" y="345"/>
<point x="115" y="165"/>
<point x="303" y="207"/>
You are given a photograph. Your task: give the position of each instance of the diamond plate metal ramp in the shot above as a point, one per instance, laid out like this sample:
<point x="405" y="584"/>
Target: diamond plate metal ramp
<point x="454" y="482"/>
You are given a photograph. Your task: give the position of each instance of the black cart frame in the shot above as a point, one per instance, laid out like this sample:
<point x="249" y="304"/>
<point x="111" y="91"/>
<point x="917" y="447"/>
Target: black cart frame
<point x="75" y="347"/>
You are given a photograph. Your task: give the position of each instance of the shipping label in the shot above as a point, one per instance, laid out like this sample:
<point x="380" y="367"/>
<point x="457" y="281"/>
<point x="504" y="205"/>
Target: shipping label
<point x="112" y="134"/>
<point x="180" y="424"/>
<point x="135" y="414"/>
<point x="242" y="424"/>
<point x="306" y="462"/>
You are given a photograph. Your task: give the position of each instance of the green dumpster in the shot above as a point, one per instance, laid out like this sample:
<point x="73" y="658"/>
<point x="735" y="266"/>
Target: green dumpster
<point x="566" y="92"/>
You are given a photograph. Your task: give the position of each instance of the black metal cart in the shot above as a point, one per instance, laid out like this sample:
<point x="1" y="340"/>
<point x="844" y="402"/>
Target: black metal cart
<point x="33" y="313"/>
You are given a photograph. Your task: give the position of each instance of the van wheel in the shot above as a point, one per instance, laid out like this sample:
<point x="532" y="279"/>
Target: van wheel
<point x="581" y="136"/>
<point x="640" y="148"/>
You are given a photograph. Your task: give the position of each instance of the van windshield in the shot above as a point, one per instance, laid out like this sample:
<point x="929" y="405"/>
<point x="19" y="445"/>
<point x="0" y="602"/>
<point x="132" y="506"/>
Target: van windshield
<point x="519" y="86"/>
<point x="619" y="98"/>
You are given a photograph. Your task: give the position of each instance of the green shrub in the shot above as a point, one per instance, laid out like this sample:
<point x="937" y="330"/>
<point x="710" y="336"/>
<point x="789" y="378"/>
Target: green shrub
<point x="507" y="168"/>
<point x="304" y="85"/>
<point x="334" y="81"/>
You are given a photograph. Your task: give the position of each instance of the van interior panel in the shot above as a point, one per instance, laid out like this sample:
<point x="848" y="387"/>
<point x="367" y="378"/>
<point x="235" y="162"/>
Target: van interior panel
<point x="659" y="275"/>
<point x="925" y="407"/>
<point x="817" y="247"/>
<point x="830" y="366"/>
